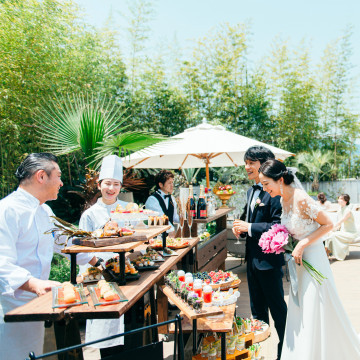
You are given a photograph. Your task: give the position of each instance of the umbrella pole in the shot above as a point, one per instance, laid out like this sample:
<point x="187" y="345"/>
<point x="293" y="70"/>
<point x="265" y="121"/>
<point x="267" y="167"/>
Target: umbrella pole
<point x="207" y="174"/>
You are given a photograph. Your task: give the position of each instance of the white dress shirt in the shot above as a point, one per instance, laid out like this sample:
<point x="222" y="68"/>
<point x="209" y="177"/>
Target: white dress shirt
<point x="152" y="203"/>
<point x="252" y="205"/>
<point x="25" y="252"/>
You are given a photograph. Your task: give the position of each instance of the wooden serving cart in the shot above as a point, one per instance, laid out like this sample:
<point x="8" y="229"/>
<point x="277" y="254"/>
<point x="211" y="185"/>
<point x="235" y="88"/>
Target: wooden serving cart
<point x="66" y="319"/>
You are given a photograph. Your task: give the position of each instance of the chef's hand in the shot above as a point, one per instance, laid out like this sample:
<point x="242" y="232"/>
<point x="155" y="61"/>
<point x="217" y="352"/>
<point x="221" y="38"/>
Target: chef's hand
<point x="240" y="227"/>
<point x="39" y="287"/>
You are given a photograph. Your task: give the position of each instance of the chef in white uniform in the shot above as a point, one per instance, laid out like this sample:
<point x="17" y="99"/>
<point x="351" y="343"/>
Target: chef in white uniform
<point x="110" y="180"/>
<point x="26" y="252"/>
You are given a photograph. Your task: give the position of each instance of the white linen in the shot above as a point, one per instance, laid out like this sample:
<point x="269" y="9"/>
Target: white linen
<point x="152" y="203"/>
<point x="94" y="218"/>
<point x="319" y="328"/>
<point x="25" y="252"/>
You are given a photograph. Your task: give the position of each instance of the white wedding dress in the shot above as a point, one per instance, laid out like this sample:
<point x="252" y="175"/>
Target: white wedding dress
<point x="318" y="328"/>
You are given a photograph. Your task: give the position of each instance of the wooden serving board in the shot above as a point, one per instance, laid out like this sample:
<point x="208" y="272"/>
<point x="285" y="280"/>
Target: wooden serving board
<point x="205" y="325"/>
<point x="109" y="241"/>
<point x="186" y="310"/>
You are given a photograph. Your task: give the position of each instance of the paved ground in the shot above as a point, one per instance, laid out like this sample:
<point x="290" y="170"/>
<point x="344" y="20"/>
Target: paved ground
<point x="347" y="277"/>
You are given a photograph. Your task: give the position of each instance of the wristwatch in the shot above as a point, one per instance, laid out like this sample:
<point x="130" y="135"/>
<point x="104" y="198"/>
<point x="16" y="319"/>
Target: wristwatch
<point x="99" y="261"/>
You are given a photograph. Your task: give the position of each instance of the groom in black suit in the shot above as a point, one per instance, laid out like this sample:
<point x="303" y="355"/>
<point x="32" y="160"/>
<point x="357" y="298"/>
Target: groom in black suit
<point x="264" y="271"/>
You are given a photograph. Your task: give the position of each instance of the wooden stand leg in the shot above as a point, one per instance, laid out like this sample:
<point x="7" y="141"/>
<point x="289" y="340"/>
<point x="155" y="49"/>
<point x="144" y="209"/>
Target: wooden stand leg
<point x="122" y="268"/>
<point x="67" y="334"/>
<point x="155" y="334"/>
<point x="73" y="268"/>
<point x="223" y="346"/>
<point x="162" y="306"/>
<point x="194" y="336"/>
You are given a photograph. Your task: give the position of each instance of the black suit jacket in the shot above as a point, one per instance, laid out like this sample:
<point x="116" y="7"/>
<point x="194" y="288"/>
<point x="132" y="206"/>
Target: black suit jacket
<point x="262" y="218"/>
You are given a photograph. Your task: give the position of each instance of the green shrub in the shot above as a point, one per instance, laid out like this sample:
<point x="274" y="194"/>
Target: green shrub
<point x="60" y="268"/>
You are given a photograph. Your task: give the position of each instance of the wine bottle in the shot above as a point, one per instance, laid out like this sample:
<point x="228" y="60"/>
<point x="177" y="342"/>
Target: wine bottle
<point x="191" y="200"/>
<point x="201" y="208"/>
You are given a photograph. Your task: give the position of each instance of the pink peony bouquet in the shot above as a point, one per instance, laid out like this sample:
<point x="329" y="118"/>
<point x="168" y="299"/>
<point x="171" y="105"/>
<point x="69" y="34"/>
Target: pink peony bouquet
<point x="278" y="240"/>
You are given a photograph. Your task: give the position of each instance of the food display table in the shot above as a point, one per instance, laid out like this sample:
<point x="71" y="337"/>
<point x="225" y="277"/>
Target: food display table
<point x="211" y="319"/>
<point x="121" y="249"/>
<point x="40" y="309"/>
<point x="212" y="253"/>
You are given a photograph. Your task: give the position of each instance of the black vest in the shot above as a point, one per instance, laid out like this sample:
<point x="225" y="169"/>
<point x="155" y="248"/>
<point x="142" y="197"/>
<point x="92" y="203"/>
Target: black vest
<point x="169" y="212"/>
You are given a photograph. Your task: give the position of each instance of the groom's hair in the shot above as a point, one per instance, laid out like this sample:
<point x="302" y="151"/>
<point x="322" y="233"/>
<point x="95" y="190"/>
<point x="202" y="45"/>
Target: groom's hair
<point x="257" y="152"/>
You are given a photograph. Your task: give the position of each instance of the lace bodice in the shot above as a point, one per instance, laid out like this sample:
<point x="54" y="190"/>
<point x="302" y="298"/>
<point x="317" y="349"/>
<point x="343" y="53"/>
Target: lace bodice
<point x="300" y="221"/>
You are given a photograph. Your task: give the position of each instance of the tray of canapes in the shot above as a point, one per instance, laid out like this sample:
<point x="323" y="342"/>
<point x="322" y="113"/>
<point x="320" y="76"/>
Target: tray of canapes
<point x="92" y="274"/>
<point x="152" y="254"/>
<point x="217" y="279"/>
<point x="224" y="298"/>
<point x="106" y="293"/>
<point x="158" y="220"/>
<point x="110" y="234"/>
<point x="132" y="212"/>
<point x="191" y="302"/>
<point x="144" y="263"/>
<point x="112" y="270"/>
<point x="67" y="295"/>
<point x="171" y="243"/>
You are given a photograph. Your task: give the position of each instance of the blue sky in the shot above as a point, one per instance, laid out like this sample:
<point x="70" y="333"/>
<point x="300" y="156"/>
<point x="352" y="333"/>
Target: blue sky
<point x="318" y="21"/>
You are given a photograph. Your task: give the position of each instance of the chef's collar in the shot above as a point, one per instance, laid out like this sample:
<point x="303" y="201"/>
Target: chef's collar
<point x="31" y="200"/>
<point x="102" y="204"/>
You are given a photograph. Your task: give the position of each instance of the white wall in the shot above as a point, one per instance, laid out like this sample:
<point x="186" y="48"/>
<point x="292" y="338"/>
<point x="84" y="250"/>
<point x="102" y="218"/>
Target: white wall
<point x="333" y="189"/>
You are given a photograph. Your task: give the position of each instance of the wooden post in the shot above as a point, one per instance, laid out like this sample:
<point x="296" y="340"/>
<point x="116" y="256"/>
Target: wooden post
<point x="207" y="173"/>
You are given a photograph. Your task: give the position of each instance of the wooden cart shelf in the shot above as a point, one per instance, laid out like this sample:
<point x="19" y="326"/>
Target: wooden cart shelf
<point x="212" y="253"/>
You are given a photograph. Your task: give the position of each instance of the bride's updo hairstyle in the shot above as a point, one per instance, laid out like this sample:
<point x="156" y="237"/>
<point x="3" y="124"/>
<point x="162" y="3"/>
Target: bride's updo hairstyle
<point x="275" y="169"/>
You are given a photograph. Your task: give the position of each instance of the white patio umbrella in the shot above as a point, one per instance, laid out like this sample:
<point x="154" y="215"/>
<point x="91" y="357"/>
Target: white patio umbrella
<point x="201" y="146"/>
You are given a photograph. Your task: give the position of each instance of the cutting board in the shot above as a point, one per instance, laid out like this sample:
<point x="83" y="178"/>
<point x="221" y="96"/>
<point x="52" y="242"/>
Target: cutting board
<point x="109" y="241"/>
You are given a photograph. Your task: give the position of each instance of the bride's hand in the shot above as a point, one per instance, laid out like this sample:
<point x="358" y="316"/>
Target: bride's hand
<point x="298" y="252"/>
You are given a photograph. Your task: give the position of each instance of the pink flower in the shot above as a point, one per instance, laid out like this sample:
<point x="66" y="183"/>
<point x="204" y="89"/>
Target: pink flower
<point x="265" y="242"/>
<point x="258" y="201"/>
<point x="278" y="242"/>
<point x="274" y="239"/>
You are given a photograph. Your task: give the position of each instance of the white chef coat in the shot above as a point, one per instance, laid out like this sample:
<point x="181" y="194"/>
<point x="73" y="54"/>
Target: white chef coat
<point x="94" y="218"/>
<point x="152" y="203"/>
<point x="25" y="252"/>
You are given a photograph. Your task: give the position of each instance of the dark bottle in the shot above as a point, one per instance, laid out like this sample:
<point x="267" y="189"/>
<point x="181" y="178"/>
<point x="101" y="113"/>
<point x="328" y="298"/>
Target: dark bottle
<point x="191" y="202"/>
<point x="201" y="208"/>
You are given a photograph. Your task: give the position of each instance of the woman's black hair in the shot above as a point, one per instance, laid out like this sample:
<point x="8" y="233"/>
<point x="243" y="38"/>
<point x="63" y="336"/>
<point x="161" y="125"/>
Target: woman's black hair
<point x="322" y="198"/>
<point x="275" y="169"/>
<point x="258" y="153"/>
<point x="34" y="162"/>
<point x="346" y="198"/>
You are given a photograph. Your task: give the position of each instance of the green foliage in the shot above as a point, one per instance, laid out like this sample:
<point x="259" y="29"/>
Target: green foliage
<point x="60" y="268"/>
<point x="46" y="49"/>
<point x="316" y="165"/>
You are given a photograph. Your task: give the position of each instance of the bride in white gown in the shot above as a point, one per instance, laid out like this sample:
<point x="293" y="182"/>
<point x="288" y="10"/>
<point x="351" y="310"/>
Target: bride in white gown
<point x="317" y="326"/>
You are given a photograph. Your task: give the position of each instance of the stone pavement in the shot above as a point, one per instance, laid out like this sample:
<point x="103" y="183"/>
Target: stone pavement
<point x="347" y="278"/>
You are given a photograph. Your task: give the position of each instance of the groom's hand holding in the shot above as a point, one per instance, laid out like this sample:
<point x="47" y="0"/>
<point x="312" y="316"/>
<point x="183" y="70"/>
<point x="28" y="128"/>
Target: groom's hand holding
<point x="240" y="227"/>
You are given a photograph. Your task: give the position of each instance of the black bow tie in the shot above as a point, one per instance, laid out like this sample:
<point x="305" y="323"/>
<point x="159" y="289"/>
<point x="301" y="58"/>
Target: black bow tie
<point x="167" y="196"/>
<point x="257" y="187"/>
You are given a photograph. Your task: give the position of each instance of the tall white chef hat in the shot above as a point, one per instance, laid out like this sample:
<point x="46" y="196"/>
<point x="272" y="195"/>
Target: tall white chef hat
<point x="111" y="168"/>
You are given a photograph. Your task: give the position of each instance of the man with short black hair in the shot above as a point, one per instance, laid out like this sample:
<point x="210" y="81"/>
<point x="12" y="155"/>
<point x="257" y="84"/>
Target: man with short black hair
<point x="264" y="271"/>
<point x="161" y="200"/>
<point x="26" y="251"/>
